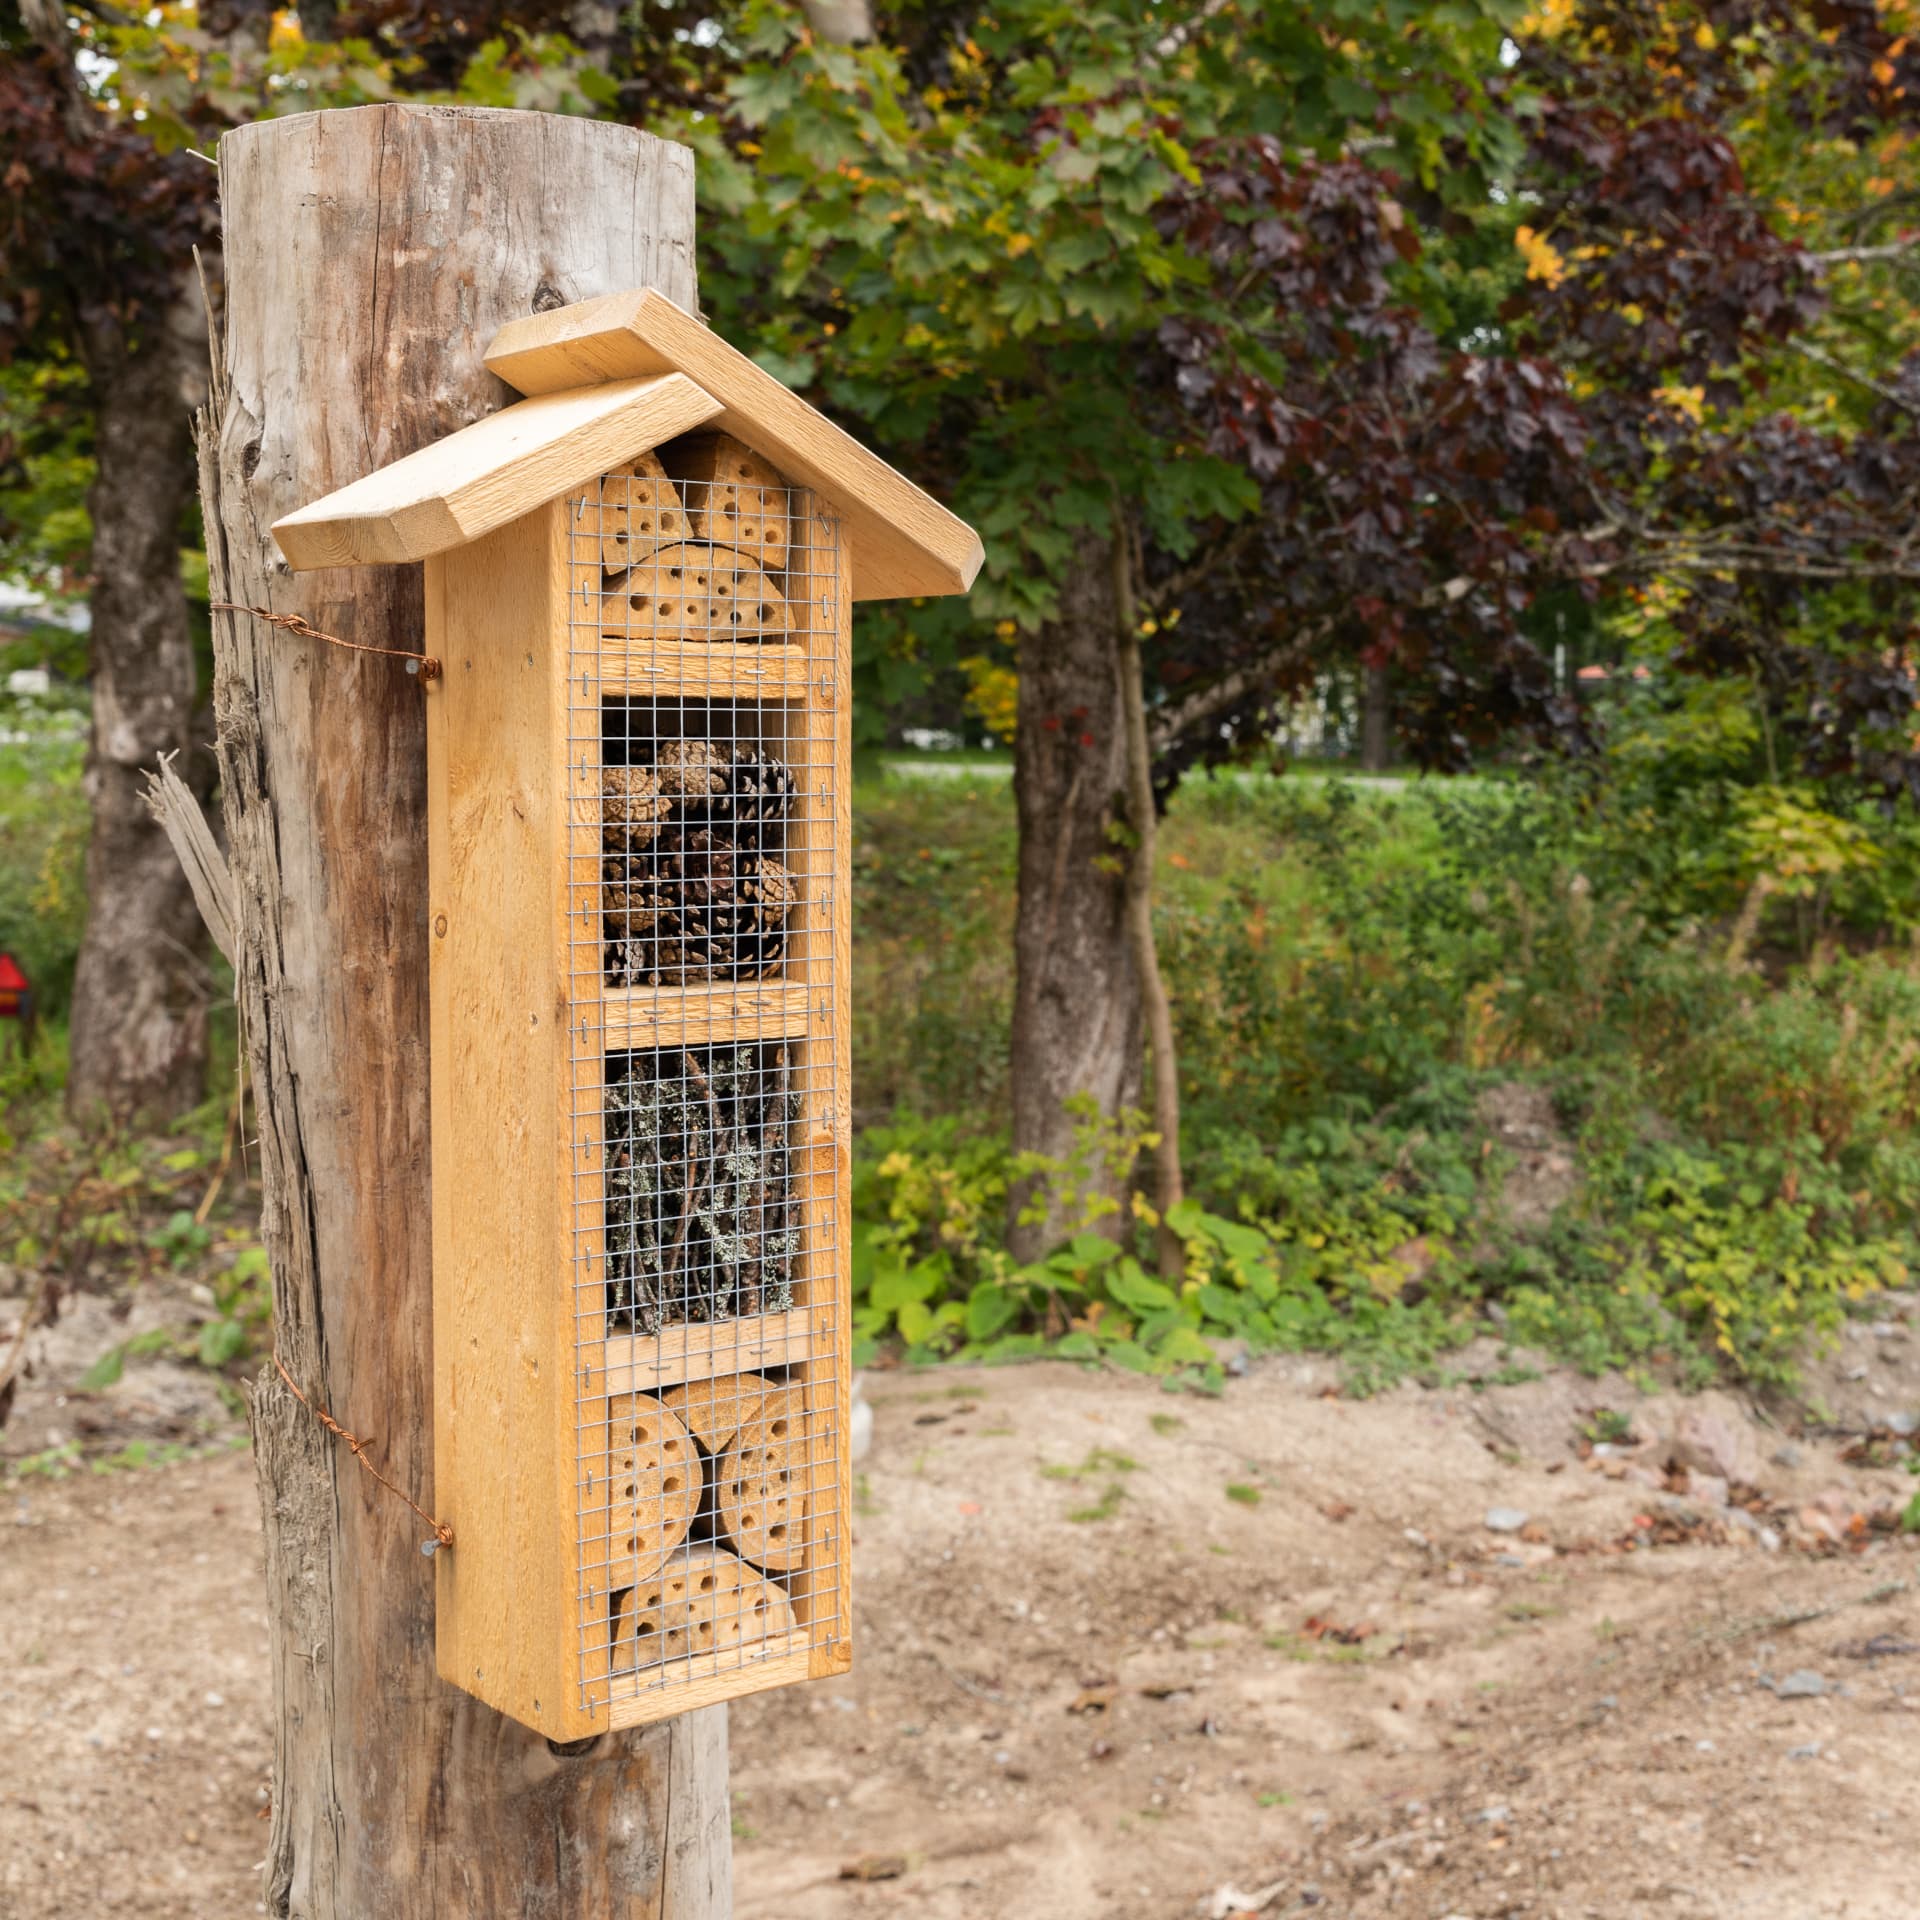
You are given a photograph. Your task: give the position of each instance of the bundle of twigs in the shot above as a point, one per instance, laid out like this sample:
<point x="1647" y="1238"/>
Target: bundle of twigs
<point x="702" y="1219"/>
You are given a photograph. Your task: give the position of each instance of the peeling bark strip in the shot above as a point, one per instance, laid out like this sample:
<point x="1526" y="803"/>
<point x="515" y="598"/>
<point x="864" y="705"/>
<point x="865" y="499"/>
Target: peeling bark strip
<point x="370" y="255"/>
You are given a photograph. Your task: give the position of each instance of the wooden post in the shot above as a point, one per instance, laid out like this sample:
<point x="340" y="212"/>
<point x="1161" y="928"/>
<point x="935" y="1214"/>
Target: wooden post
<point x="370" y="255"/>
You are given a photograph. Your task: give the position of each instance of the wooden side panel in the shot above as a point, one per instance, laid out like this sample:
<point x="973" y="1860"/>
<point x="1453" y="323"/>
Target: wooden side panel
<point x="823" y="1592"/>
<point x="503" y="1399"/>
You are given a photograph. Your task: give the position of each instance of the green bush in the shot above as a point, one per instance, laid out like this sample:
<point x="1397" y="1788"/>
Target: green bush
<point x="1352" y="968"/>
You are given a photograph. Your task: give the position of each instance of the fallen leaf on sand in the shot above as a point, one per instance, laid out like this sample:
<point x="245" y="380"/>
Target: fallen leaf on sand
<point x="1091" y="1700"/>
<point x="875" y="1866"/>
<point x="1318" y="1629"/>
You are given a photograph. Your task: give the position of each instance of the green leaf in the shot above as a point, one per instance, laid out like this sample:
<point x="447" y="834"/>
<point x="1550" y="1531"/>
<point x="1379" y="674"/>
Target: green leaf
<point x="1133" y="1288"/>
<point x="106" y="1370"/>
<point x="221" y="1341"/>
<point x="990" y="1308"/>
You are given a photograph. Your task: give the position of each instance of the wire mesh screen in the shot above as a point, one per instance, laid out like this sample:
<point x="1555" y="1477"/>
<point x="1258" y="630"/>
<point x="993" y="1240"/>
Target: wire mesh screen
<point x="702" y="858"/>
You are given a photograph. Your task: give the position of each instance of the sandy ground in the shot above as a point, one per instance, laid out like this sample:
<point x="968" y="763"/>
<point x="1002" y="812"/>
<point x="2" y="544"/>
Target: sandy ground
<point x="1127" y="1653"/>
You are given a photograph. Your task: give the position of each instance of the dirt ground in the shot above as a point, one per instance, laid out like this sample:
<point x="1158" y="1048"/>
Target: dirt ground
<point x="1129" y="1653"/>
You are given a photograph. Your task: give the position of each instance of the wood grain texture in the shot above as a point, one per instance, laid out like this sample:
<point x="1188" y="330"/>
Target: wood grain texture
<point x="688" y="1016"/>
<point x="907" y="543"/>
<point x="466" y="485"/>
<point x="643" y="1362"/>
<point x="502" y="1304"/>
<point x="722" y="1678"/>
<point x="370" y="255"/>
<point x="701" y="669"/>
<point x="823" y="945"/>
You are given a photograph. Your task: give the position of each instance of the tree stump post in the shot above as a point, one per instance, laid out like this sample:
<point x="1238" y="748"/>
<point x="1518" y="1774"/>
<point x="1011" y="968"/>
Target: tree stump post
<point x="369" y="257"/>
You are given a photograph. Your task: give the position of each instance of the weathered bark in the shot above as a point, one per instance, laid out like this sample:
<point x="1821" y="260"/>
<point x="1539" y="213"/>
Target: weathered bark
<point x="1077" y="1004"/>
<point x="1169" y="1185"/>
<point x="370" y="255"/>
<point x="140" y="988"/>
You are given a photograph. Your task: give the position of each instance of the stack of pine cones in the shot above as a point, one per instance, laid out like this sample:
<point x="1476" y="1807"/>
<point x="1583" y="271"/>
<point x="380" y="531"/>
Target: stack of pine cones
<point x="694" y="890"/>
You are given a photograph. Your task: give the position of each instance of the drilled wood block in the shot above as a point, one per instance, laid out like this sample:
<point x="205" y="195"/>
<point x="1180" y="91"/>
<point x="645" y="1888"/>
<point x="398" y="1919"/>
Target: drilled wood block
<point x="694" y="591"/>
<point x="734" y="495"/>
<point x="703" y="1601"/>
<point x="636" y="509"/>
<point x="653" y="1485"/>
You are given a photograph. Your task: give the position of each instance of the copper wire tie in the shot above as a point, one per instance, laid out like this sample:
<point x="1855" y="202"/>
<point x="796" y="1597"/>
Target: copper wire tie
<point x="423" y="664"/>
<point x="442" y="1533"/>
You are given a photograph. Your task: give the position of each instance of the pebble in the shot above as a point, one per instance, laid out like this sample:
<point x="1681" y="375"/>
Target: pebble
<point x="1789" y="1456"/>
<point x="1506" y="1519"/>
<point x="1802" y="1684"/>
<point x="1811" y="1751"/>
<point x="1904" y="1424"/>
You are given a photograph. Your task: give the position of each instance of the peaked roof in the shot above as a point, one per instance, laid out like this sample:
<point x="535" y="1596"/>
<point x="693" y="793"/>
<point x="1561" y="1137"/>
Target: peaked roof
<point x="610" y="379"/>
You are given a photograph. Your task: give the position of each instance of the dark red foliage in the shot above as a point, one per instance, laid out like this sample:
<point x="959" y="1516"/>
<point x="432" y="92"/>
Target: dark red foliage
<point x="96" y="224"/>
<point x="1425" y="501"/>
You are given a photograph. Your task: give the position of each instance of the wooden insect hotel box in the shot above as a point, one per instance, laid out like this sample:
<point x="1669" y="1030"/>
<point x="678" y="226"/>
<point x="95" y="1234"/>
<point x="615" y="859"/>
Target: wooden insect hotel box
<point x="639" y="584"/>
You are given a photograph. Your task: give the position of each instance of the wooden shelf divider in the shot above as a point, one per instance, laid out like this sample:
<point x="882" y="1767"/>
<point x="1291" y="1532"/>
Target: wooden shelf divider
<point x="644" y="1362"/>
<point x="636" y="1017"/>
<point x="634" y="665"/>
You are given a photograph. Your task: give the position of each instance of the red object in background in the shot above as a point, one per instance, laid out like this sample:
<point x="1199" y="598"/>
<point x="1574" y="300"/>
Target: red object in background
<point x="14" y="987"/>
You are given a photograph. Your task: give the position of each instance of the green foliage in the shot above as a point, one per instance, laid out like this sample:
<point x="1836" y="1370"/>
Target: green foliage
<point x="1353" y="970"/>
<point x="953" y="242"/>
<point x="43" y="840"/>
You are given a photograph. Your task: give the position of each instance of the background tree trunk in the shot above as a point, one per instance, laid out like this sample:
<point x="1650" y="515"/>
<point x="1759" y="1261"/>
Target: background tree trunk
<point x="370" y="255"/>
<point x="140" y="988"/>
<point x="1376" y="720"/>
<point x="1077" y="1008"/>
<point x="1156" y="1004"/>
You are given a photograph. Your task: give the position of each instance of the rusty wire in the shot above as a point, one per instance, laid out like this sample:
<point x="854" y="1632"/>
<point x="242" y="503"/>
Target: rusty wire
<point x="442" y="1533"/>
<point x="423" y="664"/>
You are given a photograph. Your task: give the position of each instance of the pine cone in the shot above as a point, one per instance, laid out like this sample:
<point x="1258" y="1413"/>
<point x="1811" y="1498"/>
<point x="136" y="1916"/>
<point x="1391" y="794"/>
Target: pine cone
<point x="631" y="806"/>
<point x="691" y="769"/>
<point x="767" y="897"/>
<point x="759" y="789"/>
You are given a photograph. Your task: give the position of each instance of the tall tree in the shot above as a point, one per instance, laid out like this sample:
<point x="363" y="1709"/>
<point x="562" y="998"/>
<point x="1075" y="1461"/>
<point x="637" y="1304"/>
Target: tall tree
<point x="956" y="232"/>
<point x="96" y="266"/>
<point x="1387" y="332"/>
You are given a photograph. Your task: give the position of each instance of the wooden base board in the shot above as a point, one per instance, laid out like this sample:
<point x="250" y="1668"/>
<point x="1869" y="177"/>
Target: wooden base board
<point x="644" y="1362"/>
<point x="715" y="1677"/>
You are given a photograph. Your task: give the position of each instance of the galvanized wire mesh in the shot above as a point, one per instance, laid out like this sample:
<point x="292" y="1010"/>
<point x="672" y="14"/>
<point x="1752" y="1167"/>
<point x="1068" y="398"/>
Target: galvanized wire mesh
<point x="702" y="871"/>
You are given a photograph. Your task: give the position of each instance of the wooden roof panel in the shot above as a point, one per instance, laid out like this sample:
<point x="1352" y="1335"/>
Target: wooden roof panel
<point x="904" y="542"/>
<point x="491" y="473"/>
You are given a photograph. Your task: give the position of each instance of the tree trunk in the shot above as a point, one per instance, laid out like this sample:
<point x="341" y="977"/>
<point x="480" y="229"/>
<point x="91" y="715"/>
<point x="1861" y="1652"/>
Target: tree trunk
<point x="1376" y="720"/>
<point x="370" y="255"/>
<point x="1157" y="1007"/>
<point x="140" y="988"/>
<point x="1077" y="1005"/>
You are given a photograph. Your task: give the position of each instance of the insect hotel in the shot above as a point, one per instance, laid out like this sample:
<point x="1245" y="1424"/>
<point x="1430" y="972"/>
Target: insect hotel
<point x="639" y="585"/>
